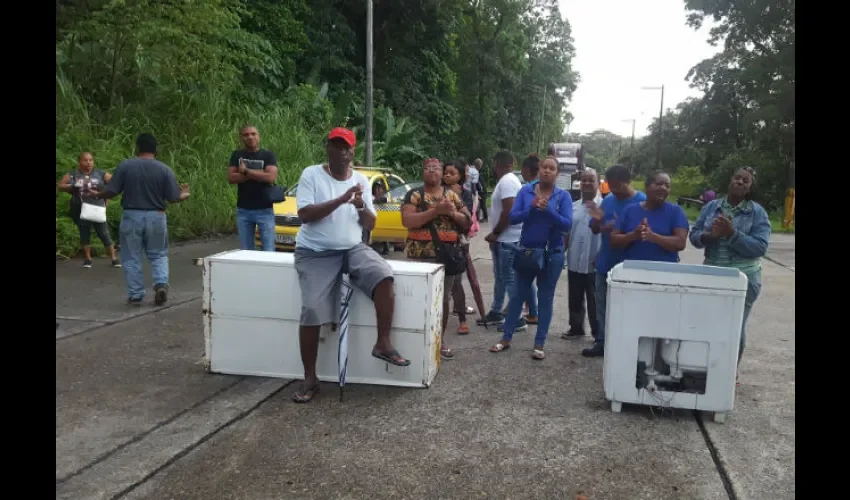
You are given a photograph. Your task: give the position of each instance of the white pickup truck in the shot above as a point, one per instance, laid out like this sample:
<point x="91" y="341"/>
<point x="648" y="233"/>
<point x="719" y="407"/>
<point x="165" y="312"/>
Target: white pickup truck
<point x="570" y="163"/>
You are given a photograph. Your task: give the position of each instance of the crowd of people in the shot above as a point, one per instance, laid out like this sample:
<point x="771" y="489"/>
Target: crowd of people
<point x="537" y="231"/>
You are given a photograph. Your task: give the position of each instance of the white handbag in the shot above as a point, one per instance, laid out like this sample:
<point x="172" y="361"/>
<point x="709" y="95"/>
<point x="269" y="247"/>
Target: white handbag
<point x="93" y="213"/>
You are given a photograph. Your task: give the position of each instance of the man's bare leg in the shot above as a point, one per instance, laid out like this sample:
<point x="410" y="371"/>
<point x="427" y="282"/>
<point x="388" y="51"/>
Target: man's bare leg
<point x="384" y="298"/>
<point x="308" y="337"/>
<point x="308" y="340"/>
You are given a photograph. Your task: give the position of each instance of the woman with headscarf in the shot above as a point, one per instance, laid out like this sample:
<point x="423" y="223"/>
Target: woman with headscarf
<point x="735" y="231"/>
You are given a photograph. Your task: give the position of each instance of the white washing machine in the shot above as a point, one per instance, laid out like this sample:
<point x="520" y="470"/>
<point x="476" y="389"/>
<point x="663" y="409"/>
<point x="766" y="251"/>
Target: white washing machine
<point x="672" y="334"/>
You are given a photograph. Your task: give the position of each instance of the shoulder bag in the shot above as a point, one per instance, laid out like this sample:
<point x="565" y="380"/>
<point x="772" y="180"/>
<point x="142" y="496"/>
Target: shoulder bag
<point x="93" y="213"/>
<point x="452" y="257"/>
<point x="275" y="194"/>
<point x="531" y="261"/>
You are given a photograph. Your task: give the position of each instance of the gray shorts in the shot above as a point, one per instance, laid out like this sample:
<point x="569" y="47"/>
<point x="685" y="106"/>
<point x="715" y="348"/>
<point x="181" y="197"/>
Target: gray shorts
<point x="319" y="274"/>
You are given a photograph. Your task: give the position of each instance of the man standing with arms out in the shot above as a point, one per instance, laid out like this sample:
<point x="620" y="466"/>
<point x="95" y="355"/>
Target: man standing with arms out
<point x="503" y="237"/>
<point x="147" y="186"/>
<point x="602" y="221"/>
<point x="253" y="170"/>
<point x="583" y="245"/>
<point x="335" y="206"/>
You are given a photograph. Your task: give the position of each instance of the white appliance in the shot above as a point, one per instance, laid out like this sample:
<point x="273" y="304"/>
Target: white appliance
<point x="252" y="306"/>
<point x="671" y="335"/>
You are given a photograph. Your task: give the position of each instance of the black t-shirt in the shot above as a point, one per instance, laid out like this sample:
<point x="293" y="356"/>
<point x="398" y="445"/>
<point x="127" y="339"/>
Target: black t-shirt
<point x="251" y="194"/>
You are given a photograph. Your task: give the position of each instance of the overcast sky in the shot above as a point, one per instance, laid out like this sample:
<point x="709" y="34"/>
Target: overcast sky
<point x="623" y="45"/>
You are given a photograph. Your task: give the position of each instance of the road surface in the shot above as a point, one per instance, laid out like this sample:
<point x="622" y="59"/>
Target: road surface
<point x="137" y="417"/>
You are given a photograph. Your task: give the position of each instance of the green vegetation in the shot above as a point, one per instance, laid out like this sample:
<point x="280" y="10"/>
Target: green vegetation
<point x="688" y="181"/>
<point x="452" y="78"/>
<point x="746" y="115"/>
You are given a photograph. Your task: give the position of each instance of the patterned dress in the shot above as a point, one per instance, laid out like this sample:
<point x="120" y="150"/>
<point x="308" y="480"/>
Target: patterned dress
<point x="419" y="244"/>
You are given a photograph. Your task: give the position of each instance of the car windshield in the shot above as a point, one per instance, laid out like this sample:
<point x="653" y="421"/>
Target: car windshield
<point x="399" y="192"/>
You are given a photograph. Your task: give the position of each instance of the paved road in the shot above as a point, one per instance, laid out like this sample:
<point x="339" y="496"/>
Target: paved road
<point x="137" y="417"/>
<point x="782" y="250"/>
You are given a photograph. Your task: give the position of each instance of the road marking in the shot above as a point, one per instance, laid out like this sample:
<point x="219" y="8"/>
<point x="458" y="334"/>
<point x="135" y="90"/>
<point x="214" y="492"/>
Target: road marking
<point x="132" y="465"/>
<point x="126" y="317"/>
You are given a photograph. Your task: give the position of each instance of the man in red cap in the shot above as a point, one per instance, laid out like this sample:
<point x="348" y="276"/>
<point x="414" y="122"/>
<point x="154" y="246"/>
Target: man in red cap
<point x="335" y="207"/>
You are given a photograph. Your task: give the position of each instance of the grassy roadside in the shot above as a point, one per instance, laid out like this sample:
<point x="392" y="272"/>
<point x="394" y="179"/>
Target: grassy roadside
<point x="197" y="148"/>
<point x="693" y="212"/>
<point x="775" y="220"/>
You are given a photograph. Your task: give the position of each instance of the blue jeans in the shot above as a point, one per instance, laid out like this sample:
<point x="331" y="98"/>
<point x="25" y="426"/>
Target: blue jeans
<point x="503" y="271"/>
<point x="753" y="291"/>
<point x="547" y="280"/>
<point x="144" y="233"/>
<point x="601" y="304"/>
<point x="261" y="220"/>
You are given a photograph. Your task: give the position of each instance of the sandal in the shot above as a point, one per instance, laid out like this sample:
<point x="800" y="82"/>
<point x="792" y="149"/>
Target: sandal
<point x="538" y="354"/>
<point x="463" y="329"/>
<point x="446" y="353"/>
<point x="499" y="347"/>
<point x="392" y="357"/>
<point x="306" y="393"/>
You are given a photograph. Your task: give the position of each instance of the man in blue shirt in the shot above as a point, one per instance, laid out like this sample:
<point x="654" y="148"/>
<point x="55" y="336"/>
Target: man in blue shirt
<point x="602" y="221"/>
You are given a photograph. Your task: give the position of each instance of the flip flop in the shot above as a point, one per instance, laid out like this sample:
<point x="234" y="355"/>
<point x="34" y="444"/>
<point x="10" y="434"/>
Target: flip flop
<point x="306" y="394"/>
<point x="499" y="347"/>
<point x="389" y="357"/>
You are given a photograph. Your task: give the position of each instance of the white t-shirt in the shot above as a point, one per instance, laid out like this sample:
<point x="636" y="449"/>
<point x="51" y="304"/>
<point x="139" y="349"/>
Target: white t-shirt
<point x="341" y="229"/>
<point x="471" y="179"/>
<point x="507" y="187"/>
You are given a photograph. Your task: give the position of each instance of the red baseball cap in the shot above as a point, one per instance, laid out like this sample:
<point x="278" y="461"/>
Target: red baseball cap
<point x="344" y="134"/>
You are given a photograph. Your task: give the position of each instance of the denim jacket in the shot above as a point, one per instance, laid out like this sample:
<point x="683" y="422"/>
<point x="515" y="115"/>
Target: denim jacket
<point x="751" y="237"/>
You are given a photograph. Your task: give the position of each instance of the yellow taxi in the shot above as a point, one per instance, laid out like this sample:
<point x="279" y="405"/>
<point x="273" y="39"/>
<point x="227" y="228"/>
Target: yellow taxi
<point x="388" y="226"/>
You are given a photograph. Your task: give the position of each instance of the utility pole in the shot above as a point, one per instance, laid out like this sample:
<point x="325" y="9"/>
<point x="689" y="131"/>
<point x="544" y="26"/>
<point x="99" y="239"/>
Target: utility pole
<point x="632" y="145"/>
<point x="660" y="120"/>
<point x="369" y="82"/>
<point x="542" y="118"/>
<point x="788" y="218"/>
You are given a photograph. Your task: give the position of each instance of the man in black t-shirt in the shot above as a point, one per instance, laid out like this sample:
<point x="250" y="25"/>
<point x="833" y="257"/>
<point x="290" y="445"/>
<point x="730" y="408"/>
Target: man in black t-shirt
<point x="253" y="170"/>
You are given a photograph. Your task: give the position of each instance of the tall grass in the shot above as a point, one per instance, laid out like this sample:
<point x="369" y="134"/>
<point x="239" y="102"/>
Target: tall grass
<point x="196" y="136"/>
